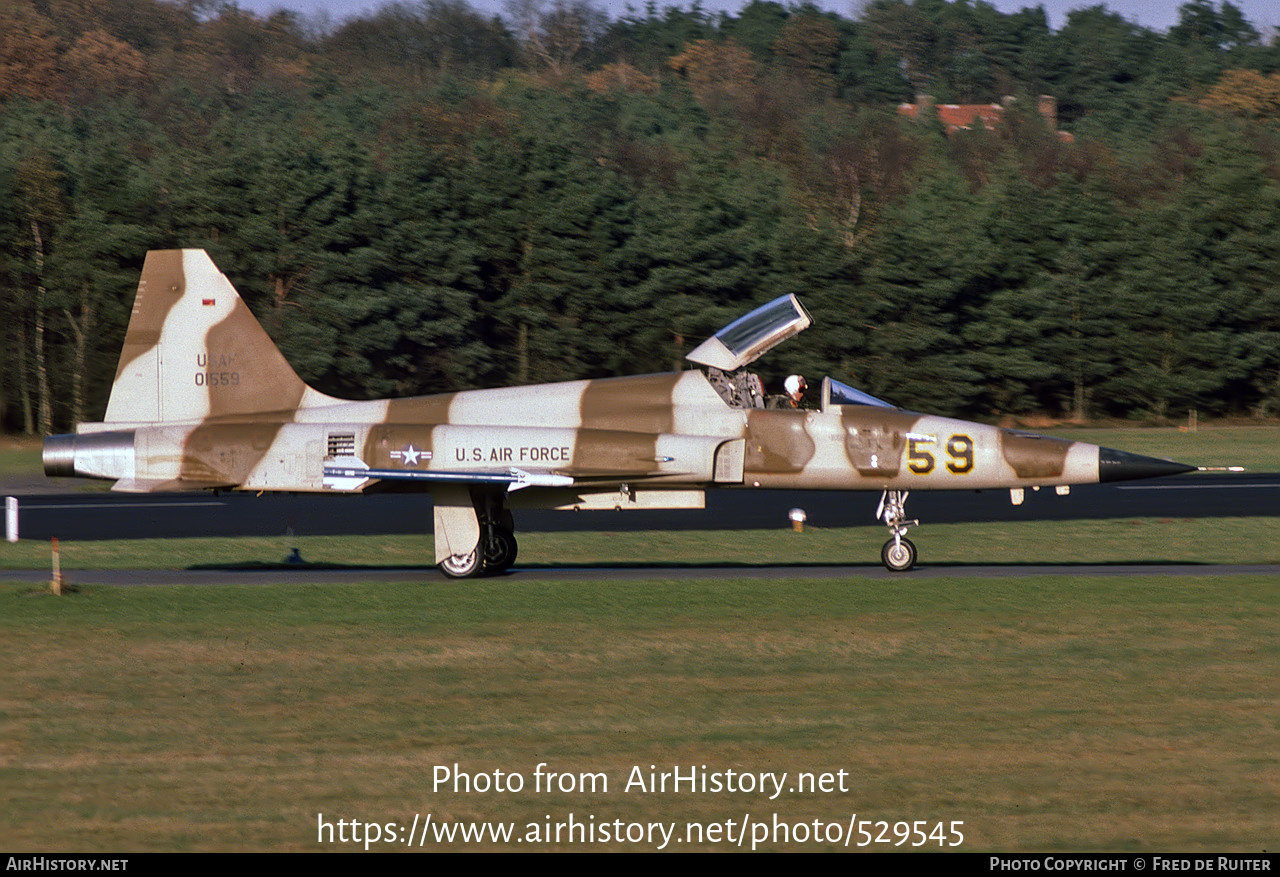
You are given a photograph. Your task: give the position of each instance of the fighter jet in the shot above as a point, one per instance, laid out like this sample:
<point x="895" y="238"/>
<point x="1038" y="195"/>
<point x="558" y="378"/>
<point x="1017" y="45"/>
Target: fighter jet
<point x="203" y="399"/>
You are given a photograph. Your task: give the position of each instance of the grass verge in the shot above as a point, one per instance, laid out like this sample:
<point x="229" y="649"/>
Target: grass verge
<point x="1045" y="713"/>
<point x="1257" y="448"/>
<point x="1130" y="540"/>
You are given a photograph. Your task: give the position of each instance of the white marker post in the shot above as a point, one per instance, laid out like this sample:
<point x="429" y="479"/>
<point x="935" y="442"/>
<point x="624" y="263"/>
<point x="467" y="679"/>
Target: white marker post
<point x="11" y="518"/>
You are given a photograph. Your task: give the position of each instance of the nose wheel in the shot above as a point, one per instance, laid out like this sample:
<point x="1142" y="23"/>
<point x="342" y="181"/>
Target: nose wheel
<point x="899" y="553"/>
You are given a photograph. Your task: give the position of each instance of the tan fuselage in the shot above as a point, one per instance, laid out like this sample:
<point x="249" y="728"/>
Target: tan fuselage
<point x="652" y="430"/>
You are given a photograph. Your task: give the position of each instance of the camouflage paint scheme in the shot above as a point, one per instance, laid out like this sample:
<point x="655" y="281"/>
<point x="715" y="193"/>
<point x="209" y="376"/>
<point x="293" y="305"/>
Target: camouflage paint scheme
<point x="203" y="399"/>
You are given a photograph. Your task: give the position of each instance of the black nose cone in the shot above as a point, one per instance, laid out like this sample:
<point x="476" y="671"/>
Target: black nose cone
<point x="1123" y="466"/>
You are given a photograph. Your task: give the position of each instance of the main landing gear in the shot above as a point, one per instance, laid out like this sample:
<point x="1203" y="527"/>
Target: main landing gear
<point x="899" y="553"/>
<point x="496" y="550"/>
<point x="461" y="566"/>
<point x="499" y="543"/>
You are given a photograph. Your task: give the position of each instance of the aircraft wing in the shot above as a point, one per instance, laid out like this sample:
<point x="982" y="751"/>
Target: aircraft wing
<point x="158" y="485"/>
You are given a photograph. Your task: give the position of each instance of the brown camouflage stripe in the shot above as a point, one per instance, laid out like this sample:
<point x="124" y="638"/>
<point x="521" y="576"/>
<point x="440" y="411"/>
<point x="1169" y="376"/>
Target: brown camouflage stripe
<point x="1034" y="456"/>
<point x="162" y="284"/>
<point x="777" y="442"/>
<point x="388" y="439"/>
<point x="875" y="439"/>
<point x="631" y="404"/>
<point x="264" y="381"/>
<point x="420" y="409"/>
<point x="226" y="453"/>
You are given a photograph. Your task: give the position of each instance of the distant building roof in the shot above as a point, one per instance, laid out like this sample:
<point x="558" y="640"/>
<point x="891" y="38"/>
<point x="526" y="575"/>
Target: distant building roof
<point x="969" y="116"/>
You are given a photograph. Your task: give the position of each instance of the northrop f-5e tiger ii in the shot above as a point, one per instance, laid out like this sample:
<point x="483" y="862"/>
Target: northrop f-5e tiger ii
<point x="203" y="399"/>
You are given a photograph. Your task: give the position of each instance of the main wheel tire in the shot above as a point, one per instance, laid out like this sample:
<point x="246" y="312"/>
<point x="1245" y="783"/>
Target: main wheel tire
<point x="500" y="551"/>
<point x="462" y="566"/>
<point x="898" y="555"/>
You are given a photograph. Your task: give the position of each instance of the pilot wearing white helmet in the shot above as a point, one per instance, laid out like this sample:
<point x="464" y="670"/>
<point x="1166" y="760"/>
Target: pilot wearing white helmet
<point x="795" y="386"/>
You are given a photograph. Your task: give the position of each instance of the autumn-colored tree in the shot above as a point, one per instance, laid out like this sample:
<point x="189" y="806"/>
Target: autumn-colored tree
<point x="716" y="71"/>
<point x="28" y="53"/>
<point x="1245" y="93"/>
<point x="241" y="51"/>
<point x="623" y="77"/>
<point x="99" y="65"/>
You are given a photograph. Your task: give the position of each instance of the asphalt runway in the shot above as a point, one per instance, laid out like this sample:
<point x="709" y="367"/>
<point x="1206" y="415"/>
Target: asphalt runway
<point x="852" y="574"/>
<point x="93" y="516"/>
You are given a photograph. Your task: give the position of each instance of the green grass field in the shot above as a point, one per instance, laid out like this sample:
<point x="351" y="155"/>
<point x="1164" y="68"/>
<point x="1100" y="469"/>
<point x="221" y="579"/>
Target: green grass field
<point x="1161" y="540"/>
<point x="1257" y="448"/>
<point x="1045" y="713"/>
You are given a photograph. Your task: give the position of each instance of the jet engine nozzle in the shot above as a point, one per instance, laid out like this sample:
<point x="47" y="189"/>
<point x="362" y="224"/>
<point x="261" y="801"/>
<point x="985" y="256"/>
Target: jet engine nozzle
<point x="59" y="456"/>
<point x="89" y="455"/>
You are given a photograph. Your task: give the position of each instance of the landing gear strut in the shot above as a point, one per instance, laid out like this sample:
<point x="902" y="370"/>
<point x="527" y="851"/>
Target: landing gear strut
<point x="498" y="539"/>
<point x="899" y="553"/>
<point x="484" y="514"/>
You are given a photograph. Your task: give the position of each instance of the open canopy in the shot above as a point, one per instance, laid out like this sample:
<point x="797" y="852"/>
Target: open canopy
<point x="748" y="338"/>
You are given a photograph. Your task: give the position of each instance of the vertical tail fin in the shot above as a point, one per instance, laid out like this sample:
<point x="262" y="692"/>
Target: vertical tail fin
<point x="194" y="350"/>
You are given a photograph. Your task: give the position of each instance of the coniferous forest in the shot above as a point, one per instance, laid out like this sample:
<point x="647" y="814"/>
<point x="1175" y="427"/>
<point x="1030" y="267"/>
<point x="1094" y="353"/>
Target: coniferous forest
<point x="428" y="198"/>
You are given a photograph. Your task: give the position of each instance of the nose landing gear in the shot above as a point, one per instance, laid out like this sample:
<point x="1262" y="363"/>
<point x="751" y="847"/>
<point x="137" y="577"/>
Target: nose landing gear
<point x="899" y="553"/>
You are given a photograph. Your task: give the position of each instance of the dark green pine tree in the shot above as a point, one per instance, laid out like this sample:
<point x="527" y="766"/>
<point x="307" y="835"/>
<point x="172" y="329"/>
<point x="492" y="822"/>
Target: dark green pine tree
<point x="1077" y="294"/>
<point x="547" y="212"/>
<point x="703" y="253"/>
<point x="928" y="272"/>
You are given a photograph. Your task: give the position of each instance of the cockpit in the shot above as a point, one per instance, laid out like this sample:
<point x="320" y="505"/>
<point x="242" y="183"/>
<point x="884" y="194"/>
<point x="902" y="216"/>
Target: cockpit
<point x="727" y="353"/>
